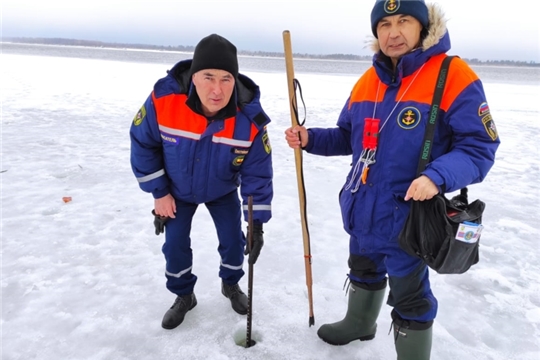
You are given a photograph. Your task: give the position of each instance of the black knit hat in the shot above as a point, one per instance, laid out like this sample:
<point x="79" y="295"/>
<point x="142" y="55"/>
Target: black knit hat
<point x="414" y="8"/>
<point x="215" y="52"/>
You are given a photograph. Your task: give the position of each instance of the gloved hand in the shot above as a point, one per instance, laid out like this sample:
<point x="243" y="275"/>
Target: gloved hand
<point x="159" y="222"/>
<point x="256" y="244"/>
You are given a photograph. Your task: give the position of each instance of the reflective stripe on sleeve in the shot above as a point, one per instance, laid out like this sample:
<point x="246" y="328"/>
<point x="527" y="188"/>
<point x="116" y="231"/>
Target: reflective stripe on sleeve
<point x="153" y="176"/>
<point x="258" y="207"/>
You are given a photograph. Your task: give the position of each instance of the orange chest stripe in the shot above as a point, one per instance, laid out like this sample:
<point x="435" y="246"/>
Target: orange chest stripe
<point x="254" y="132"/>
<point x="172" y="112"/>
<point x="228" y="129"/>
<point x="459" y="77"/>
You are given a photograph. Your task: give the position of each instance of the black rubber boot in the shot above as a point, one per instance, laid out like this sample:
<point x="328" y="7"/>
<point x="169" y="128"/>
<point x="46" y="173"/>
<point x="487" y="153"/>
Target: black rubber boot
<point x="359" y="322"/>
<point x="412" y="339"/>
<point x="175" y="315"/>
<point x="239" y="300"/>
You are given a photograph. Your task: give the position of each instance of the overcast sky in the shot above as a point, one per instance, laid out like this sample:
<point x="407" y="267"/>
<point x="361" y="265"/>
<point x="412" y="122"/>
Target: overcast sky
<point x="478" y="29"/>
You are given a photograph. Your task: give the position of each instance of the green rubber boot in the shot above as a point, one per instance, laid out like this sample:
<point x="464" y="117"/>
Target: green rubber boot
<point x="412" y="339"/>
<point x="359" y="322"/>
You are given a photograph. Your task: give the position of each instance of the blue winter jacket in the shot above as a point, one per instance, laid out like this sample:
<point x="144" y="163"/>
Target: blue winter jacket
<point x="178" y="151"/>
<point x="463" y="150"/>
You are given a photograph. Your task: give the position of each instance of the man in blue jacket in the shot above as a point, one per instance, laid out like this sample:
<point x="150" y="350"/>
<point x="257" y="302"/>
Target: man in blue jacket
<point x="200" y="136"/>
<point x="382" y="126"/>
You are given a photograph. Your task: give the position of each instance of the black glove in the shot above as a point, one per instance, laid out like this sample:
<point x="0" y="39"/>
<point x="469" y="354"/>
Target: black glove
<point x="159" y="222"/>
<point x="256" y="244"/>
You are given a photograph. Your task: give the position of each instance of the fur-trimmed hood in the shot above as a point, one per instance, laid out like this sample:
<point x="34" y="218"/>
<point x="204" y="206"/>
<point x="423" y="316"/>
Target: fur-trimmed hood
<point x="436" y="42"/>
<point x="436" y="30"/>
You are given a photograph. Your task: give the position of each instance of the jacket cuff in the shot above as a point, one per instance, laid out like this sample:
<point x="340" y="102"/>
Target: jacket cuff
<point x="436" y="178"/>
<point x="310" y="143"/>
<point x="157" y="194"/>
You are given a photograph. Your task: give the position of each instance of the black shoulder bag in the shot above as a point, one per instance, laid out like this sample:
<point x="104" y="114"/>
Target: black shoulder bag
<point x="439" y="230"/>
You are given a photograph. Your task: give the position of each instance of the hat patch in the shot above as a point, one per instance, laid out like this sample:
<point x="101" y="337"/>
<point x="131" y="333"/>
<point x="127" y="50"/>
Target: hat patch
<point x="391" y="6"/>
<point x="409" y="118"/>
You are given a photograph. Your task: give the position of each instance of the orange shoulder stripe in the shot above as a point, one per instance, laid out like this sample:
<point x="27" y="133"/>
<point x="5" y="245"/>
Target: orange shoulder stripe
<point x="364" y="89"/>
<point x="459" y="77"/>
<point x="254" y="132"/>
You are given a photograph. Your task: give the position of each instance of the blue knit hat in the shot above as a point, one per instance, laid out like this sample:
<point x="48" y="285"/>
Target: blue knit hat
<point x="414" y="8"/>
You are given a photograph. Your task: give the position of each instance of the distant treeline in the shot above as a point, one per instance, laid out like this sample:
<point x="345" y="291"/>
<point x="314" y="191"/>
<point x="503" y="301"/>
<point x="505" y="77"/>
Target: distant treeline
<point x="183" y="48"/>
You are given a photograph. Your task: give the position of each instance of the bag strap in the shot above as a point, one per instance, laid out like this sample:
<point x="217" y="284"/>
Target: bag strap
<point x="433" y="115"/>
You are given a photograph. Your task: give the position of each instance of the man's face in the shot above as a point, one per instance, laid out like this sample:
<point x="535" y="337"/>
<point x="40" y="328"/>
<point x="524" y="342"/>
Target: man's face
<point x="398" y="35"/>
<point x="215" y="88"/>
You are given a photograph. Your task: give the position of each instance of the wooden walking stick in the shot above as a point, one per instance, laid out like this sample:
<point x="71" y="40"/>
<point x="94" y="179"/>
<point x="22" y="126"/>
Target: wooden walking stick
<point x="299" y="170"/>
<point x="249" y="341"/>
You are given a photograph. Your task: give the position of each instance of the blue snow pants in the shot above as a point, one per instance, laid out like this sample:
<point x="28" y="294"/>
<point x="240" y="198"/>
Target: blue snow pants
<point x="226" y="214"/>
<point x="408" y="277"/>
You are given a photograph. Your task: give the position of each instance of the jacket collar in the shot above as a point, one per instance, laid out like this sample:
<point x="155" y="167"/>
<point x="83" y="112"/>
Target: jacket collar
<point x="194" y="103"/>
<point x="245" y="97"/>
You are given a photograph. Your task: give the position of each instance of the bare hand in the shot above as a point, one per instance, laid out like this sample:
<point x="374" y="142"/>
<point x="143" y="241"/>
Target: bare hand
<point x="297" y="137"/>
<point x="421" y="189"/>
<point x="165" y="206"/>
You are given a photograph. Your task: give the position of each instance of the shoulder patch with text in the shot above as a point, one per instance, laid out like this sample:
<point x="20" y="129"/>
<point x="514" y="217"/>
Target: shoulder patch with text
<point x="139" y="117"/>
<point x="491" y="129"/>
<point x="266" y="143"/>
